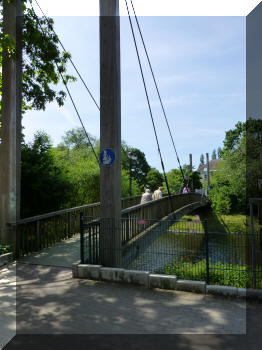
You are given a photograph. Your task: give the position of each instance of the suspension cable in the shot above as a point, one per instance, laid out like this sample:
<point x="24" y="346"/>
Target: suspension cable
<point x="70" y="59"/>
<point x="148" y="102"/>
<point x="71" y="98"/>
<point x="65" y="52"/>
<point x="160" y="99"/>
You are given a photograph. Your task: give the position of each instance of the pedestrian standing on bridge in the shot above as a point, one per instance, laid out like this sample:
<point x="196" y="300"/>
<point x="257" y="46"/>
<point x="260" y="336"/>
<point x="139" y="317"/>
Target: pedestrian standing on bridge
<point x="158" y="193"/>
<point x="186" y="190"/>
<point x="146" y="197"/>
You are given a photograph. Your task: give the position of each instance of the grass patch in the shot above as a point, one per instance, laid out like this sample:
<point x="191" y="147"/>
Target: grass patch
<point x="219" y="274"/>
<point x="234" y="223"/>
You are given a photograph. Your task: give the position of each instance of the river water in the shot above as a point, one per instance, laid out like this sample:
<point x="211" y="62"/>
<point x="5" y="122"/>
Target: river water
<point x="170" y="246"/>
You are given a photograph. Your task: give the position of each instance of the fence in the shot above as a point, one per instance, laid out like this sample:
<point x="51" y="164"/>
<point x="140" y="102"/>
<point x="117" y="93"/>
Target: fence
<point x="41" y="231"/>
<point x="185" y="249"/>
<point x="38" y="232"/>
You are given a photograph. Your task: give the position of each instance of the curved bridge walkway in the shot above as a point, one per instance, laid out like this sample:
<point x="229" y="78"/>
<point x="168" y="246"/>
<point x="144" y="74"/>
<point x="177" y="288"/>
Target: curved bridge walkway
<point x="53" y="238"/>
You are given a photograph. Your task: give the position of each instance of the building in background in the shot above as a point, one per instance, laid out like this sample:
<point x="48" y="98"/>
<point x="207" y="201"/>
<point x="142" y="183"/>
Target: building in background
<point x="202" y="168"/>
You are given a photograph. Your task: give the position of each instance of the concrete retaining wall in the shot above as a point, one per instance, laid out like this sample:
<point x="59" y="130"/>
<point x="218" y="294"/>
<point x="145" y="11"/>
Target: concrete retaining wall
<point x="150" y="280"/>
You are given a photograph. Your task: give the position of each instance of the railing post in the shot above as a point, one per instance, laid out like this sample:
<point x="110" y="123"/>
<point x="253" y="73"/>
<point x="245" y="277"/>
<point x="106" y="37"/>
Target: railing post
<point x="38" y="235"/>
<point x="17" y="241"/>
<point x="70" y="231"/>
<point x="82" y="239"/>
<point x="207" y="251"/>
<point x="252" y="244"/>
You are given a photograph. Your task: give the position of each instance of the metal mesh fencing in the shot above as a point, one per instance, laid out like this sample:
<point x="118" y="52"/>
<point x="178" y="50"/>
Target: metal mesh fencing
<point x="182" y="248"/>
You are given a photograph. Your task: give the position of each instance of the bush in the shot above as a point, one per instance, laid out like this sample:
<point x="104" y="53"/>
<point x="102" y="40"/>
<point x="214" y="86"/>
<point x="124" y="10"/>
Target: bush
<point x="220" y="200"/>
<point x="5" y="249"/>
<point x="219" y="273"/>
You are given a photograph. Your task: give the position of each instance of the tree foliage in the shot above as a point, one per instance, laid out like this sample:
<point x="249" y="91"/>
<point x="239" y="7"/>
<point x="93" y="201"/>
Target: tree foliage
<point x="254" y="157"/>
<point x="219" y="152"/>
<point x="202" y="159"/>
<point x="44" y="185"/>
<point x="228" y="183"/>
<point x="139" y="166"/>
<point x="76" y="138"/>
<point x="154" y="179"/>
<point x="75" y="156"/>
<point x="44" y="62"/>
<point x="214" y="155"/>
<point x="176" y="181"/>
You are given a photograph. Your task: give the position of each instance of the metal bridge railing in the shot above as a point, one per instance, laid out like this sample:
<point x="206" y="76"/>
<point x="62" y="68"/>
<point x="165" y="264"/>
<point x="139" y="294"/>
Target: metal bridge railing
<point x="41" y="231"/>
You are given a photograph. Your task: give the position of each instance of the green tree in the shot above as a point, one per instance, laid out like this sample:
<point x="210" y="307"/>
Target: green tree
<point x="44" y="63"/>
<point x="254" y="157"/>
<point x="233" y="137"/>
<point x="154" y="179"/>
<point x="219" y="152"/>
<point x="76" y="138"/>
<point x="125" y="185"/>
<point x="78" y="161"/>
<point x="192" y="179"/>
<point x="45" y="187"/>
<point x="175" y="181"/>
<point x="202" y="159"/>
<point x="139" y="166"/>
<point x="214" y="155"/>
<point x="196" y="180"/>
<point x="228" y="183"/>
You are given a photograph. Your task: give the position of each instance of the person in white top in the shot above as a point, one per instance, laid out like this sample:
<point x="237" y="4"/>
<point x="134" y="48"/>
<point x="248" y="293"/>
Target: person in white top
<point x="146" y="197"/>
<point x="158" y="193"/>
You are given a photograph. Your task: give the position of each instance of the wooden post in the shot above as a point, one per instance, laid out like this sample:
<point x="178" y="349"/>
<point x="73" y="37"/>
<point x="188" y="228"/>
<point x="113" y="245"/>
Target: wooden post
<point x="11" y="122"/>
<point x="208" y="176"/>
<point x="110" y="134"/>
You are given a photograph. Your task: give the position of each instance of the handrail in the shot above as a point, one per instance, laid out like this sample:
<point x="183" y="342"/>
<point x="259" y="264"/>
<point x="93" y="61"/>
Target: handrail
<point x="166" y="198"/>
<point x="54" y="213"/>
<point x="40" y="231"/>
<point x="64" y="211"/>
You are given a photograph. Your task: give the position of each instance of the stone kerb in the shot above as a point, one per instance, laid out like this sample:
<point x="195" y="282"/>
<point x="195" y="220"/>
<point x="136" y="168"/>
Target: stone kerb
<point x="222" y="290"/>
<point x="148" y="280"/>
<point x="112" y="274"/>
<point x="6" y="259"/>
<point x="88" y="271"/>
<point x="191" y="286"/>
<point x="162" y="281"/>
<point x="137" y="277"/>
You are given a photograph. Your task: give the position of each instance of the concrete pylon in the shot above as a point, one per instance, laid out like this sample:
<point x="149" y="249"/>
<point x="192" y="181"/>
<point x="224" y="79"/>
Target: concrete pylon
<point x="110" y="134"/>
<point x="10" y="147"/>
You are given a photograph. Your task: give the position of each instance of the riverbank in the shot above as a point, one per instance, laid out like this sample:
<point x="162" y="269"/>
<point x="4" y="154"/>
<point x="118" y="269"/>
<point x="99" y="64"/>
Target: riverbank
<point x="233" y="223"/>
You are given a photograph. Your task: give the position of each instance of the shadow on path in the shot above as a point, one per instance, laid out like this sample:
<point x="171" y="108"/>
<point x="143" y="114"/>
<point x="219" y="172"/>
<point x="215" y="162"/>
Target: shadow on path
<point x="63" y="254"/>
<point x="50" y="301"/>
<point x="81" y="314"/>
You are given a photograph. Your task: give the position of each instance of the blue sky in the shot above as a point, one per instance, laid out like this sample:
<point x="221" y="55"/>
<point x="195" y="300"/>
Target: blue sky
<point x="199" y="63"/>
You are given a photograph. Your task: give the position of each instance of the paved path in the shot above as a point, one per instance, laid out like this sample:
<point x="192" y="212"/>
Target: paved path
<point x="55" y="303"/>
<point x="62" y="254"/>
<point x="50" y="301"/>
<point x="7" y="304"/>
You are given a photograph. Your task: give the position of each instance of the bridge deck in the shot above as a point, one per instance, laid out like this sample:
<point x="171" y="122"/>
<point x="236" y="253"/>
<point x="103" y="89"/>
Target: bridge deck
<point x="63" y="254"/>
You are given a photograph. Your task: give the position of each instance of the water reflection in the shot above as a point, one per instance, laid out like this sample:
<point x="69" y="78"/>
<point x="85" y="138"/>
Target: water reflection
<point x="154" y="255"/>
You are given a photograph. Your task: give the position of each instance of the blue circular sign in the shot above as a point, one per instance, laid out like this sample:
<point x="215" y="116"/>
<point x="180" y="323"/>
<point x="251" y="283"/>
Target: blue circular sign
<point x="107" y="157"/>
